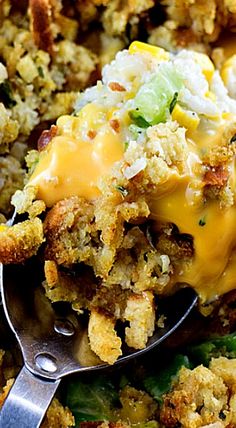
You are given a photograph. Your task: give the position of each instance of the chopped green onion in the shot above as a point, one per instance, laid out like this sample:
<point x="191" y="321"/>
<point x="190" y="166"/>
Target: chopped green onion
<point x="6" y="94"/>
<point x="40" y="71"/>
<point x="138" y="119"/>
<point x="173" y="102"/>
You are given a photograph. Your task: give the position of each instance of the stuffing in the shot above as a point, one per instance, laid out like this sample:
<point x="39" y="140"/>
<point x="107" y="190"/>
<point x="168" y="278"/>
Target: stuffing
<point x="109" y="46"/>
<point x="103" y="337"/>
<point x="205" y="19"/>
<point x="116" y="17"/>
<point x="76" y="287"/>
<point x="35" y="85"/>
<point x="68" y="228"/>
<point x="23" y="201"/>
<point x="202" y="396"/>
<point x="11" y="179"/>
<point x="58" y="416"/>
<point x="199" y="398"/>
<point x="140" y="313"/>
<point x="8" y="128"/>
<point x="20" y="241"/>
<point x="172" y="37"/>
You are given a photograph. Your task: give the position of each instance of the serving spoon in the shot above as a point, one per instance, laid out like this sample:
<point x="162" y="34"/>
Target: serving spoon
<point x="50" y="338"/>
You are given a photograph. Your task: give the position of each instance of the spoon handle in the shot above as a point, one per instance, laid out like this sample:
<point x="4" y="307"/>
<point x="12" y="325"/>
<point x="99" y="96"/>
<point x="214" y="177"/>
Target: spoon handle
<point x="27" y="401"/>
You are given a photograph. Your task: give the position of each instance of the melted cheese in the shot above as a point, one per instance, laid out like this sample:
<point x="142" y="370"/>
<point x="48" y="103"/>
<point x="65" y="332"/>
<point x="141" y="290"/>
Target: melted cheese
<point x="72" y="166"/>
<point x="69" y="166"/>
<point x="211" y="271"/>
<point x="207" y="139"/>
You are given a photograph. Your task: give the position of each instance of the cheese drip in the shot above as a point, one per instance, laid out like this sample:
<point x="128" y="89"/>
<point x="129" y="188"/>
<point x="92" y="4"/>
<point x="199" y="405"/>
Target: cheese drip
<point x="71" y="166"/>
<point x="212" y="271"/>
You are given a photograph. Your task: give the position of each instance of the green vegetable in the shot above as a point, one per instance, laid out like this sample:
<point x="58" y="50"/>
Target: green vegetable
<point x="6" y="94"/>
<point x="173" y="102"/>
<point x="40" y="71"/>
<point x="219" y="346"/>
<point x="139" y="121"/>
<point x="157" y="97"/>
<point x="160" y="381"/>
<point x="92" y="400"/>
<point x="202" y="221"/>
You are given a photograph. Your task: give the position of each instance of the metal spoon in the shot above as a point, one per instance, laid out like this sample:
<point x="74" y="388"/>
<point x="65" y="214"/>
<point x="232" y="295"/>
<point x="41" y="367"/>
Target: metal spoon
<point x="49" y="342"/>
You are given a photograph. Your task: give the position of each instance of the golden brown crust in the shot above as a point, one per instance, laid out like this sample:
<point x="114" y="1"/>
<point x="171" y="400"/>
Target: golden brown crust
<point x="216" y="176"/>
<point x="21" y="241"/>
<point x="201" y="396"/>
<point x="62" y="229"/>
<point x="103" y="337"/>
<point x="41" y="24"/>
<point x="58" y="416"/>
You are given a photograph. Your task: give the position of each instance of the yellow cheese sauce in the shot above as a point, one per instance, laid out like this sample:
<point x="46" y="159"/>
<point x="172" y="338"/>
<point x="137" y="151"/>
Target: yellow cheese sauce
<point x="212" y="271"/>
<point x="213" y="228"/>
<point x="71" y="165"/>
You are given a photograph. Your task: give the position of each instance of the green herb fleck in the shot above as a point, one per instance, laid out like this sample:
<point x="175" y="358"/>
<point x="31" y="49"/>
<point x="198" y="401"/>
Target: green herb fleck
<point x="202" y="221"/>
<point x="6" y="94"/>
<point x="173" y="102"/>
<point x="41" y="73"/>
<point x="124" y="192"/>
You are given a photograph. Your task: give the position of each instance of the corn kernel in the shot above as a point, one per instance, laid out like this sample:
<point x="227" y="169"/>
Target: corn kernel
<point x="187" y="119"/>
<point x="140" y="47"/>
<point x="206" y="65"/>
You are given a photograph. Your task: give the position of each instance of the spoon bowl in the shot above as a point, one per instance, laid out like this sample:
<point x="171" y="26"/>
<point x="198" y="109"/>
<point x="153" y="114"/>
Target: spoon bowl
<point x="50" y="338"/>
